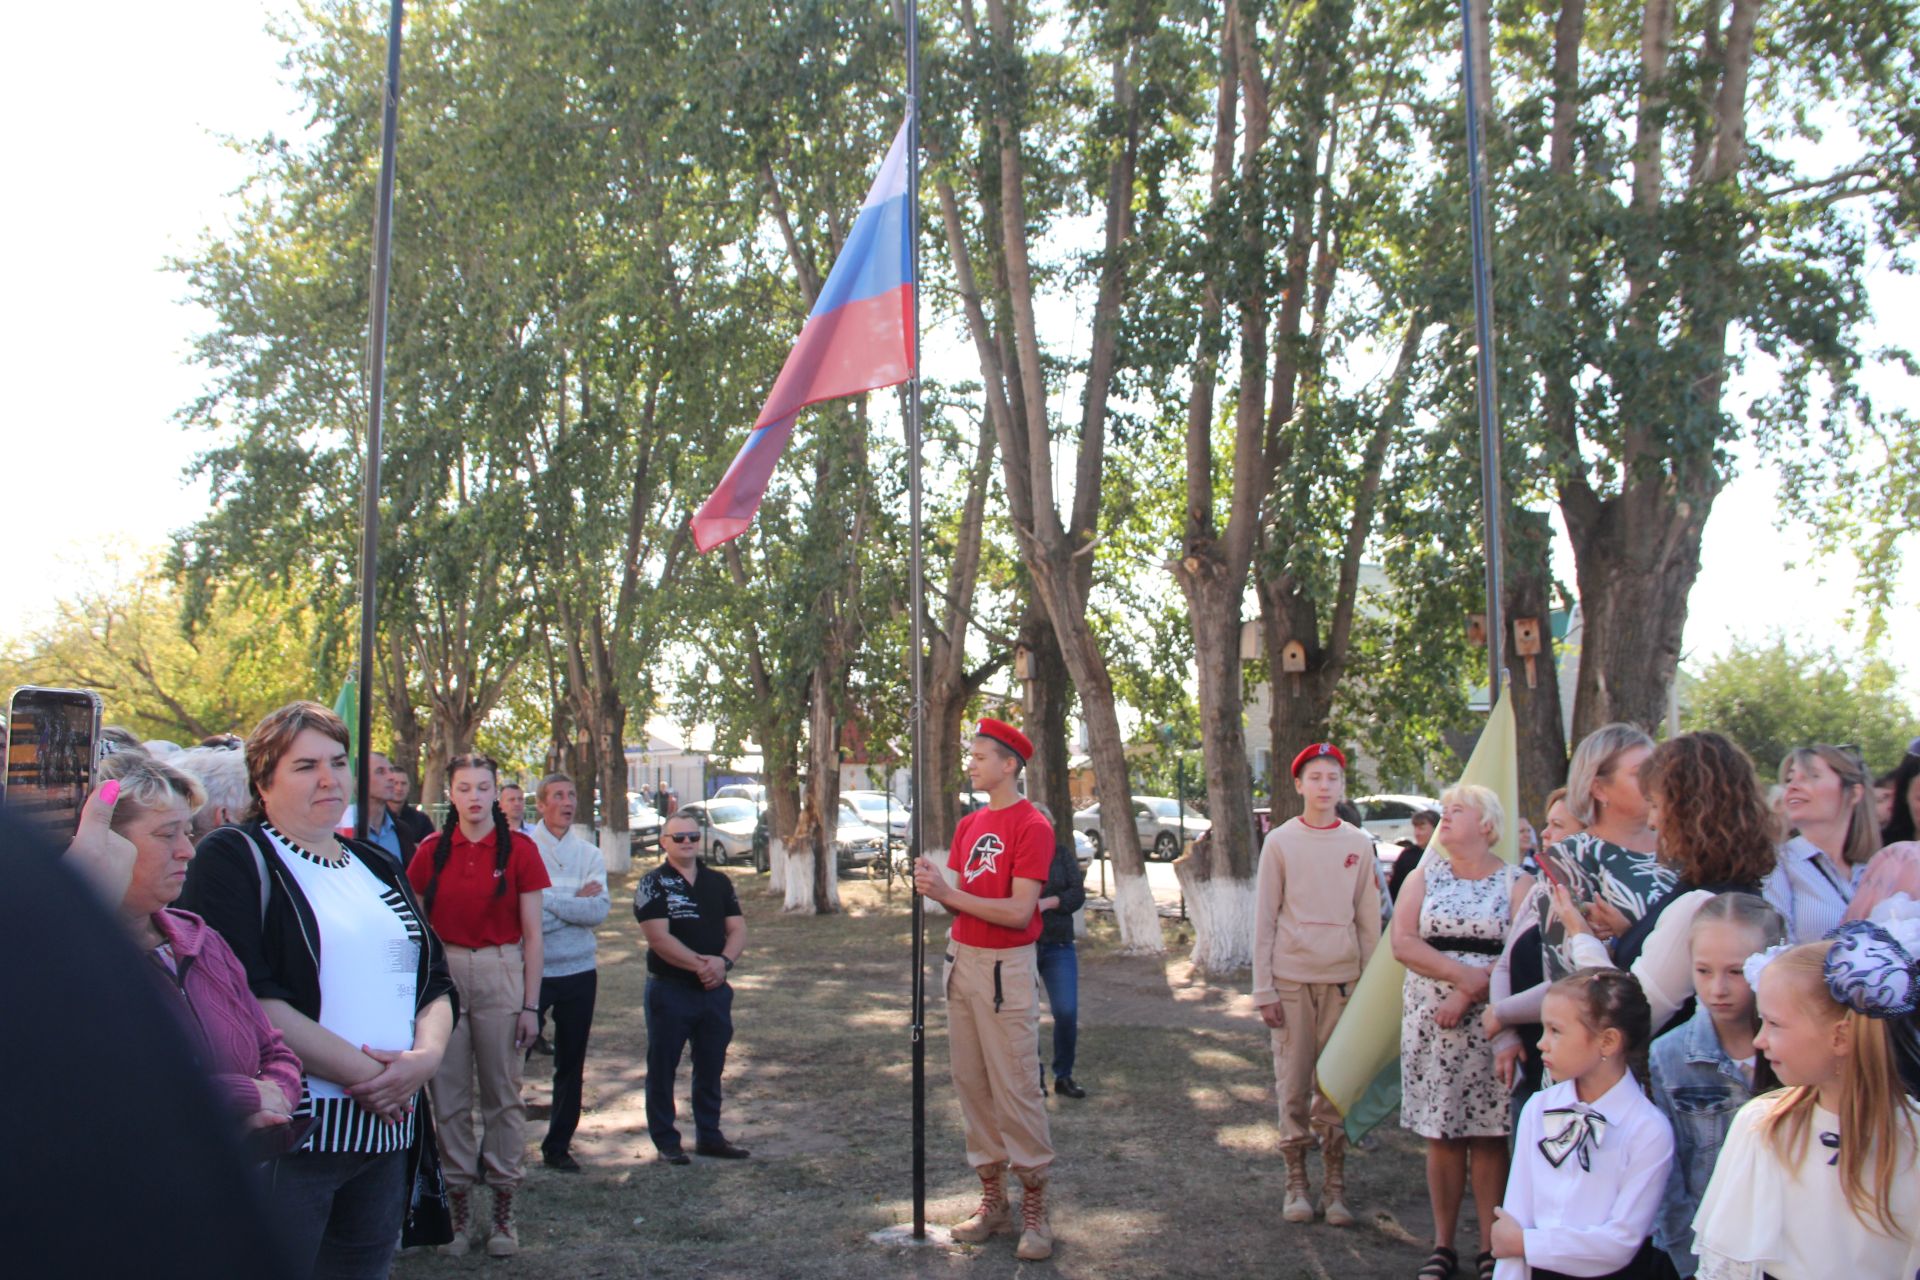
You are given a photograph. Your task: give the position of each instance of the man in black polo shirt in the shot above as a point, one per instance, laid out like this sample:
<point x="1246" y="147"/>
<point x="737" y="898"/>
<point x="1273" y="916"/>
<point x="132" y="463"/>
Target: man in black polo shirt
<point x="695" y="933"/>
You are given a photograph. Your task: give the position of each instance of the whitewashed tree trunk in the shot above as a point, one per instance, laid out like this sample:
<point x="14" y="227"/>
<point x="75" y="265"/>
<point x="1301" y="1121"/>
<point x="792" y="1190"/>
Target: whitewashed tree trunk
<point x="800" y="878"/>
<point x="799" y="886"/>
<point x="616" y="848"/>
<point x="1137" y="915"/>
<point x="1221" y="908"/>
<point x="777" y="867"/>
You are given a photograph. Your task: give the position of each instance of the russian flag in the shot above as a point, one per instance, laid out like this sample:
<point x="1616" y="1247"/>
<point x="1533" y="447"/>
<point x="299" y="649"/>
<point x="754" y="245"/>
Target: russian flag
<point x="859" y="336"/>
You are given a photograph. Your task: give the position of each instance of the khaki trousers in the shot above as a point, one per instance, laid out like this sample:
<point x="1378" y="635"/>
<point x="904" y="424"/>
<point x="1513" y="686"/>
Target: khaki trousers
<point x="993" y="1028"/>
<point x="492" y="989"/>
<point x="1310" y="1010"/>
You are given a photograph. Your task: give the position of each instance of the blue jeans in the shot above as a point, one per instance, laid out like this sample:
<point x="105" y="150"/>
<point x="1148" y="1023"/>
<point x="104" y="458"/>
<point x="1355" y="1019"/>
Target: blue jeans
<point x="678" y="1013"/>
<point x="341" y="1212"/>
<point x="1059" y="966"/>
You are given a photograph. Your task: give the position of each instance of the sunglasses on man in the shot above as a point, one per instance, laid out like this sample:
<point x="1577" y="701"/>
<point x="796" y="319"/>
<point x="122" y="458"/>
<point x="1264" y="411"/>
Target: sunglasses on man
<point x="691" y="837"/>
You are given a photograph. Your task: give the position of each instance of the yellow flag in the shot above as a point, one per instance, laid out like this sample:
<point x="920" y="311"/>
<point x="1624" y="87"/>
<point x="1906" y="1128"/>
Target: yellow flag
<point x="1359" y="1068"/>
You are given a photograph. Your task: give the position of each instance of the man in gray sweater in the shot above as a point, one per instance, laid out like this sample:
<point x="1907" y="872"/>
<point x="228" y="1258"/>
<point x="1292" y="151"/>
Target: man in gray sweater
<point x="571" y="908"/>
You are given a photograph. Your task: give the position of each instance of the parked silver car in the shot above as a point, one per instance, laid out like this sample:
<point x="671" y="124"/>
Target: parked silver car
<point x="1163" y="835"/>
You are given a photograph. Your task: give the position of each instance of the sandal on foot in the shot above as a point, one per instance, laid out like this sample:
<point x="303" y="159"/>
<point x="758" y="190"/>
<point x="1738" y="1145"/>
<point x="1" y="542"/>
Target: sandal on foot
<point x="1484" y="1261"/>
<point x="1440" y="1264"/>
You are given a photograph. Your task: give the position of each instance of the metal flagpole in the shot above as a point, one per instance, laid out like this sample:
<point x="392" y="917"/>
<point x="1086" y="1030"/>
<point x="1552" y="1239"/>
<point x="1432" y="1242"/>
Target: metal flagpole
<point x="1492" y="500"/>
<point x="376" y="404"/>
<point x="916" y="593"/>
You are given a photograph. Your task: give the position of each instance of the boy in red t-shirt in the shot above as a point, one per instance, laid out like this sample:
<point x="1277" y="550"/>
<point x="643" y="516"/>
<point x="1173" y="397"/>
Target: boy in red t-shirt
<point x="1000" y="855"/>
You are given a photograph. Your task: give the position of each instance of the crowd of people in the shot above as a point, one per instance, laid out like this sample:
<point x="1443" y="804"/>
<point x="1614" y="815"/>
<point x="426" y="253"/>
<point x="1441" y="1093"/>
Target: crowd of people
<point x="1676" y="1037"/>
<point x="1673" y="1035"/>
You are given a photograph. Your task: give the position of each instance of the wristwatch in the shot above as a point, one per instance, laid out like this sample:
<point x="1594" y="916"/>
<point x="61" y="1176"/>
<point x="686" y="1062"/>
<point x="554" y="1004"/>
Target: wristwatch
<point x="728" y="961"/>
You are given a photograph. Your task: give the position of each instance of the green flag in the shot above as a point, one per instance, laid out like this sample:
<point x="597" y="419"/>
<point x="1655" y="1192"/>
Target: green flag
<point x="347" y="707"/>
<point x="1359" y="1070"/>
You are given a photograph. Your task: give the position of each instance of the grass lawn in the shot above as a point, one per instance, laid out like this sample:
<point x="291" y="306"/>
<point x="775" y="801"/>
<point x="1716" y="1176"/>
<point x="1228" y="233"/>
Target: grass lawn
<point x="1169" y="1168"/>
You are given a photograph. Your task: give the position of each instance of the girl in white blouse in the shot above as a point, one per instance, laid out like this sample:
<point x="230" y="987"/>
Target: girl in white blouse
<point x="1591" y="1155"/>
<point x="1818" y="1179"/>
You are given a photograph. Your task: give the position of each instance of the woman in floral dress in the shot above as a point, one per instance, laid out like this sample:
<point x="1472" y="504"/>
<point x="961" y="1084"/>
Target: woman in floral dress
<point x="1448" y="926"/>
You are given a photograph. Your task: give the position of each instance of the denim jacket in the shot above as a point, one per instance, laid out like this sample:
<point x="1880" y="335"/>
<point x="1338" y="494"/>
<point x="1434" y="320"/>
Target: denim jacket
<point x="1698" y="1088"/>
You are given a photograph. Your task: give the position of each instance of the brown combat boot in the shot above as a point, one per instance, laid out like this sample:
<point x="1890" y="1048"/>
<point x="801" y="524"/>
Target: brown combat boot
<point x="504" y="1240"/>
<point x="460" y="1204"/>
<point x="1333" y="1203"/>
<point x="1297" y="1207"/>
<point x="1036" y="1232"/>
<point x="994" y="1215"/>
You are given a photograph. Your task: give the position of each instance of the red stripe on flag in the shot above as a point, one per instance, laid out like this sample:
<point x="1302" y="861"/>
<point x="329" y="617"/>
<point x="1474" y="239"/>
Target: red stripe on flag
<point x="860" y="347"/>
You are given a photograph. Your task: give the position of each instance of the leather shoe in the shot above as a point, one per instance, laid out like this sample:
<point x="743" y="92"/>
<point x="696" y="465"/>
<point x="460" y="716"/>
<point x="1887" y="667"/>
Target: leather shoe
<point x="675" y="1156"/>
<point x="564" y="1161"/>
<point x="1066" y="1088"/>
<point x="722" y="1150"/>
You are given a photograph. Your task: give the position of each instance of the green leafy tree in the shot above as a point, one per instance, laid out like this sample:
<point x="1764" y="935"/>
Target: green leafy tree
<point x="1771" y="697"/>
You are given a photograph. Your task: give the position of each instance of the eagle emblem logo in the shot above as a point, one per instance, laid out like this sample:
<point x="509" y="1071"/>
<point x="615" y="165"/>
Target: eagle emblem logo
<point x="984" y="857"/>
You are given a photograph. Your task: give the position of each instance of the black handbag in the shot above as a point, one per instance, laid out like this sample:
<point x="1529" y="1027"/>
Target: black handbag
<point x="429" y="1218"/>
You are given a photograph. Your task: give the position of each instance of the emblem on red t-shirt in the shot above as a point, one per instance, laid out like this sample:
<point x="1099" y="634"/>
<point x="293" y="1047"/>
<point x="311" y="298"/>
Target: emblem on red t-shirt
<point x="983" y="858"/>
<point x="1352" y="859"/>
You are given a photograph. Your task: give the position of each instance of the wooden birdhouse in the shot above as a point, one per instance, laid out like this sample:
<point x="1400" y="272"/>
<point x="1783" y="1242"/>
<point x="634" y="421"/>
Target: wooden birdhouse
<point x="1252" y="643"/>
<point x="1022" y="663"/>
<point x="1293" y="661"/>
<point x="1526" y="643"/>
<point x="1477" y="630"/>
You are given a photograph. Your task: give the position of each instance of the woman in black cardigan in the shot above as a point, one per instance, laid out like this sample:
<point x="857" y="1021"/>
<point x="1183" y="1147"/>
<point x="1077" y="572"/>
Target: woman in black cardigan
<point x="337" y="951"/>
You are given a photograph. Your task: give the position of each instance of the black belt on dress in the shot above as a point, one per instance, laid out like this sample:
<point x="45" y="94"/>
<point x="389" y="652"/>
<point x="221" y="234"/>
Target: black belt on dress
<point x="1479" y="946"/>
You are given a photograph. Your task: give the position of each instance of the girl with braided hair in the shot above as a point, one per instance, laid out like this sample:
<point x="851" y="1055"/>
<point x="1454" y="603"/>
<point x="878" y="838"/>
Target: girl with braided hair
<point x="479" y="882"/>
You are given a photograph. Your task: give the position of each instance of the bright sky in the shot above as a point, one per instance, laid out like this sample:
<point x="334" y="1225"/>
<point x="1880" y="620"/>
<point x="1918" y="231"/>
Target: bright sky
<point x="120" y="163"/>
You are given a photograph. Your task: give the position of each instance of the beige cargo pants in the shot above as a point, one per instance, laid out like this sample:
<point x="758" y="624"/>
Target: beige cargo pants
<point x="993" y="1028"/>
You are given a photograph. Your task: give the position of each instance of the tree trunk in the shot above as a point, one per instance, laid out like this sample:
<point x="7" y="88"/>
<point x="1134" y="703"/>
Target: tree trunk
<point x="780" y="754"/>
<point x="1058" y="555"/>
<point x="1217" y="877"/>
<point x="812" y="856"/>
<point x="949" y="685"/>
<point x="1539" y="725"/>
<point x="404" y="750"/>
<point x="1636" y="557"/>
<point x="1044" y="703"/>
<point x="615" y="844"/>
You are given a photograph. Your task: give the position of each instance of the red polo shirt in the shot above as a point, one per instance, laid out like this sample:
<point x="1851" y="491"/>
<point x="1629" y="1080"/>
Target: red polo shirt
<point x="467" y="911"/>
<point x="991" y="847"/>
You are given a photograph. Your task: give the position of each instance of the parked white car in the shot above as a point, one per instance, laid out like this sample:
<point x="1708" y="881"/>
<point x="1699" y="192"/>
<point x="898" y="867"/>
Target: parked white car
<point x="726" y="827"/>
<point x="1163" y="835"/>
<point x="1388" y="818"/>
<point x="879" y="809"/>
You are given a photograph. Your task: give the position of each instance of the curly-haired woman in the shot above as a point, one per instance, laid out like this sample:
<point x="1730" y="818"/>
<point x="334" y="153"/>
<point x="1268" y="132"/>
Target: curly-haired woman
<point x="1716" y="834"/>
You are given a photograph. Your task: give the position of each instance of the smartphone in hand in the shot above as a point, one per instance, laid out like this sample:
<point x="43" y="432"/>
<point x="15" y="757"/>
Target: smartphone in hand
<point x="52" y="741"/>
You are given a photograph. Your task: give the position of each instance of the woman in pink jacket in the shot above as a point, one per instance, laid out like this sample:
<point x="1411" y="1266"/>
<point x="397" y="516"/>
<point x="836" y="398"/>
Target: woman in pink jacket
<point x="251" y="1067"/>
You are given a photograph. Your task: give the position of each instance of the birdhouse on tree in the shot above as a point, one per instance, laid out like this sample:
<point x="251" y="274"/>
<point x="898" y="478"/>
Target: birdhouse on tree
<point x="1526" y="643"/>
<point x="1477" y="630"/>
<point x="1293" y="661"/>
<point x="1022" y="663"/>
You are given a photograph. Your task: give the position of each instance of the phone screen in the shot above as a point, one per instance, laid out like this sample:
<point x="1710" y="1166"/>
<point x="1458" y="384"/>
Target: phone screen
<point x="52" y="735"/>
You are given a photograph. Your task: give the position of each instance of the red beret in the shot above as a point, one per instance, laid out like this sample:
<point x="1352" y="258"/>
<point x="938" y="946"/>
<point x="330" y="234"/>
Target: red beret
<point x="1315" y="752"/>
<point x="1007" y="736"/>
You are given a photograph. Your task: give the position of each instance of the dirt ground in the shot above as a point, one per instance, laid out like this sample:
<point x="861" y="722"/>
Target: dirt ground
<point x="1170" y="1168"/>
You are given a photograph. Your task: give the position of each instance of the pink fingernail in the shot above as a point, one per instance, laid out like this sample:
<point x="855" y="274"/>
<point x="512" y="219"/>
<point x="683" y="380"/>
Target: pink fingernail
<point x="110" y="792"/>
